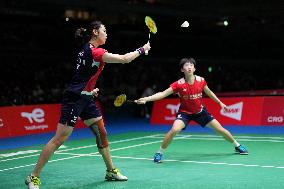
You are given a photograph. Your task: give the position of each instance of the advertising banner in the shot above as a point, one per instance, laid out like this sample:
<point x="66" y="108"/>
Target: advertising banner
<point x="4" y="124"/>
<point x="273" y="111"/>
<point x="26" y="120"/>
<point x="242" y="111"/>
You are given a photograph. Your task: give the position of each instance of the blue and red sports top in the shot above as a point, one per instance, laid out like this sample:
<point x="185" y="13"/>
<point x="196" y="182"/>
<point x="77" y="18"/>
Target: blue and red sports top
<point x="88" y="68"/>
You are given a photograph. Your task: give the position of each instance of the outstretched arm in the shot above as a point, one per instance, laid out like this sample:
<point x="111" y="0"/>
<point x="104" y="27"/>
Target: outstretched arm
<point x="154" y="97"/>
<point x="126" y="58"/>
<point x="210" y="93"/>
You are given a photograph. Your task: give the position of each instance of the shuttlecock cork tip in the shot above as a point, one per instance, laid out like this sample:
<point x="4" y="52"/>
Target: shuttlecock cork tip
<point x="185" y="24"/>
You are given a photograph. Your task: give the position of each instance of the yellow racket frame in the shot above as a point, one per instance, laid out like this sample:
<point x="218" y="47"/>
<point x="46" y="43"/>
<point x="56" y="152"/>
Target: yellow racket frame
<point x="119" y="100"/>
<point x="151" y="24"/>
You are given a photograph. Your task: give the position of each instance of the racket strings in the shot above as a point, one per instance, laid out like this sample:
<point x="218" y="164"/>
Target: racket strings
<point x="150" y="23"/>
<point x="119" y="100"/>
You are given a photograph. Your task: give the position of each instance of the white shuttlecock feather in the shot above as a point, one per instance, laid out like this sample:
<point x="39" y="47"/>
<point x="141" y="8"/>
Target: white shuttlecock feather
<point x="185" y="24"/>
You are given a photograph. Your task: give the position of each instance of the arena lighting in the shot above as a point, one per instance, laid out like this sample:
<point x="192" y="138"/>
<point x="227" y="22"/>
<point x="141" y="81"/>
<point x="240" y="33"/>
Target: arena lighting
<point x="210" y="69"/>
<point x="77" y="14"/>
<point x="223" y="22"/>
<point x="226" y="23"/>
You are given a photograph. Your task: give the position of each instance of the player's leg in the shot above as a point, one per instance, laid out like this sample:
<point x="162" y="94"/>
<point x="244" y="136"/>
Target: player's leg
<point x="178" y="125"/>
<point x="98" y="128"/>
<point x="204" y="118"/>
<point x="62" y="133"/>
<point x="70" y="110"/>
<point x="217" y="127"/>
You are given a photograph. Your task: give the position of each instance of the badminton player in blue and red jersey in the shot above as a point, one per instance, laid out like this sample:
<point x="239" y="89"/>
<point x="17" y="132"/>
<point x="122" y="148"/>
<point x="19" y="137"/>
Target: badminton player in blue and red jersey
<point x="78" y="100"/>
<point x="190" y="89"/>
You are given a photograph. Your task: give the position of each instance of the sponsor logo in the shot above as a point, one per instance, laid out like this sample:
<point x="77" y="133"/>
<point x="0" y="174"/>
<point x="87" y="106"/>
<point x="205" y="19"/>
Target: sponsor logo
<point x="275" y="119"/>
<point x="96" y="63"/>
<point x="1" y="122"/>
<point x="37" y="115"/>
<point x="233" y="111"/>
<point x="36" y="127"/>
<point x="179" y="116"/>
<point x="193" y="96"/>
<point x="174" y="109"/>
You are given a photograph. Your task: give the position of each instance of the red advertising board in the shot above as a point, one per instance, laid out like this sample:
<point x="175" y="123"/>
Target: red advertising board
<point x="4" y="129"/>
<point x="164" y="111"/>
<point x="273" y="111"/>
<point x="25" y="120"/>
<point x="243" y="111"/>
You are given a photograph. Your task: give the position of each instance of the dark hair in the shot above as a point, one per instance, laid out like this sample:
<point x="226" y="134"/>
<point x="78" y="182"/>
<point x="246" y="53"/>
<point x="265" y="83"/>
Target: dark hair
<point x="85" y="34"/>
<point x="186" y="60"/>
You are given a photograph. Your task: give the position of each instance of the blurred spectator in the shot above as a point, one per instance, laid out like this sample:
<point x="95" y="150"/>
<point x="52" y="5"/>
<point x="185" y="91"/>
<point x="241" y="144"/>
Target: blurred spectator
<point x="16" y="96"/>
<point x="146" y="108"/>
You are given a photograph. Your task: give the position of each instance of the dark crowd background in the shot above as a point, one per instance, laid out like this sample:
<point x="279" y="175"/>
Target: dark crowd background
<point x="239" y="46"/>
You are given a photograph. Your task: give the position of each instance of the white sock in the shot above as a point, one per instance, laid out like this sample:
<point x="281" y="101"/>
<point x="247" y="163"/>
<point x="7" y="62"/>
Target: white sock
<point x="236" y="143"/>
<point x="161" y="150"/>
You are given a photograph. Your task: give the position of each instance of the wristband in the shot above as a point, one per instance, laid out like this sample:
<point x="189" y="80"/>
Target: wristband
<point x="141" y="50"/>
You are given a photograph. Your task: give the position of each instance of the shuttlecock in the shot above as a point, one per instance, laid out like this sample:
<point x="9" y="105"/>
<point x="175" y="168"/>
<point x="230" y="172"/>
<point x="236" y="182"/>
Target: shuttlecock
<point x="185" y="24"/>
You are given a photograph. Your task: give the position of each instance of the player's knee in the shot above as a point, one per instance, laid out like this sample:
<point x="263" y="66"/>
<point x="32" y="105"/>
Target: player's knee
<point x="99" y="130"/>
<point x="174" y="131"/>
<point x="58" y="141"/>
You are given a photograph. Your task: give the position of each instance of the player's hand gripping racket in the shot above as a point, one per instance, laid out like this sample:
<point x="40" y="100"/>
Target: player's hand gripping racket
<point x="120" y="100"/>
<point x="152" y="27"/>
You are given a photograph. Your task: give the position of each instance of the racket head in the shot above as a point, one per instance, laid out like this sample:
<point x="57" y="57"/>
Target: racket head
<point x="150" y="23"/>
<point x="119" y="100"/>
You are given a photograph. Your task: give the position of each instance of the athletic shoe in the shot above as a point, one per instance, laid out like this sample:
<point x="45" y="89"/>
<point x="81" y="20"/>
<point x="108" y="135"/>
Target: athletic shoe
<point x="32" y="182"/>
<point x="241" y="150"/>
<point x="158" y="157"/>
<point x="115" y="175"/>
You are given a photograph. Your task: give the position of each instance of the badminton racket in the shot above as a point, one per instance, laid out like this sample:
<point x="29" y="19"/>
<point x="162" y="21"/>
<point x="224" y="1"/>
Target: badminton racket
<point x="150" y="23"/>
<point x="121" y="99"/>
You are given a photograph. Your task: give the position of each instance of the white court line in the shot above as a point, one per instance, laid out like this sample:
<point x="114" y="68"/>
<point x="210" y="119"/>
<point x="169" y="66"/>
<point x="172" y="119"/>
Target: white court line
<point x="236" y="136"/>
<point x="192" y="137"/>
<point x="127" y="147"/>
<point x="188" y="137"/>
<point x="248" y="140"/>
<point x="83" y="147"/>
<point x="2" y="170"/>
<point x="80" y="155"/>
<point x="184" y="161"/>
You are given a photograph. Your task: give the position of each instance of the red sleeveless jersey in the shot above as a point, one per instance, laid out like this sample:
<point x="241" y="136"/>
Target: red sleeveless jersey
<point x="190" y="95"/>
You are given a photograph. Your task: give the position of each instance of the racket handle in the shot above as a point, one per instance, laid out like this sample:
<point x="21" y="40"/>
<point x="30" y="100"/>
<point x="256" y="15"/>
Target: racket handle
<point x="149" y="36"/>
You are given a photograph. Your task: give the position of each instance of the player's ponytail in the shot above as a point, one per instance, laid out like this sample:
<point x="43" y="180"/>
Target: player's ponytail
<point x="80" y="33"/>
<point x="83" y="35"/>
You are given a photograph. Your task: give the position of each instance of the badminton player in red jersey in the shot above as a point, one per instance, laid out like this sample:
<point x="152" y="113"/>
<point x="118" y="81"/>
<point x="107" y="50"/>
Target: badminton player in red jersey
<point x="189" y="89"/>
<point x="79" y="100"/>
